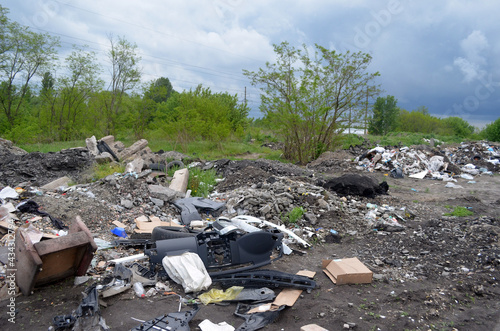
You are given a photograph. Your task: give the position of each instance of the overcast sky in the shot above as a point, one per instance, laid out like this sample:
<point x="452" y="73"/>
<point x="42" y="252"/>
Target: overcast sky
<point x="440" y="54"/>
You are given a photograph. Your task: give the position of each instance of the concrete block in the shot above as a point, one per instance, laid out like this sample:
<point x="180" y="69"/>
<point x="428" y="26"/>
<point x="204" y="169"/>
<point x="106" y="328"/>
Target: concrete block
<point x="164" y="193"/>
<point x="135" y="148"/>
<point x="109" y="140"/>
<point x="135" y="166"/>
<point x="92" y="145"/>
<point x="54" y="185"/>
<point x="104" y="158"/>
<point x="180" y="181"/>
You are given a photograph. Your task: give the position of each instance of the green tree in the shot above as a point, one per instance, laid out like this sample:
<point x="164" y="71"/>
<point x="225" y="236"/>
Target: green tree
<point x="48" y="82"/>
<point x="4" y="23"/>
<point x="385" y="114"/>
<point x="458" y="126"/>
<point x="308" y="98"/>
<point x="125" y="76"/>
<point x="23" y="55"/>
<point x="201" y="114"/>
<point x="159" y="90"/>
<point x="492" y="131"/>
<point x="66" y="108"/>
<point x="419" y="120"/>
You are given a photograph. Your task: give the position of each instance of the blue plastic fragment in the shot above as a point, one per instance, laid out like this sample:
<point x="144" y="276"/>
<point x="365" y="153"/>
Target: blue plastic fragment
<point x="120" y="232"/>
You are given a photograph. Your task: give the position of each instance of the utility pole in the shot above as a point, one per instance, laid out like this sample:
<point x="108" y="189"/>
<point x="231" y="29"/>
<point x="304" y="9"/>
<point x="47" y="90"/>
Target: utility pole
<point x="245" y="95"/>
<point x="366" y="111"/>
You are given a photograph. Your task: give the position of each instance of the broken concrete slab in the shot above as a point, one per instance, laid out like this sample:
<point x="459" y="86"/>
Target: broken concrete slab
<point x="180" y="180"/>
<point x="136" y="147"/>
<point x="54" y="185"/>
<point x="126" y="203"/>
<point x="92" y="145"/>
<point x="104" y="158"/>
<point x="135" y="166"/>
<point x="164" y="193"/>
<point x="158" y="202"/>
<point x="109" y="140"/>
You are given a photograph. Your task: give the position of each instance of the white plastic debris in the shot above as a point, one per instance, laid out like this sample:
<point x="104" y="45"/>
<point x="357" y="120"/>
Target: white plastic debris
<point x="207" y="325"/>
<point x="188" y="270"/>
<point x="251" y="219"/>
<point x="419" y="175"/>
<point x="377" y="149"/>
<point x="129" y="258"/>
<point x="436" y="162"/>
<point x="8" y="193"/>
<point x="466" y="176"/>
<point x="451" y="185"/>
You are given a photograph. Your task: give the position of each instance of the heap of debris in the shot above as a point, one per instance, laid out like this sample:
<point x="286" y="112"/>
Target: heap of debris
<point x="473" y="158"/>
<point x="143" y="233"/>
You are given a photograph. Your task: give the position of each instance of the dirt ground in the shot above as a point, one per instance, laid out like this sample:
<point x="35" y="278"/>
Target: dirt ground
<point x="440" y="273"/>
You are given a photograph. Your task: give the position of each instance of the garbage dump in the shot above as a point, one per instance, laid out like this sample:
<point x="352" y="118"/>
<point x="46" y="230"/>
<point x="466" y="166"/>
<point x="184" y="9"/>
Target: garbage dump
<point x="271" y="236"/>
<point x="473" y="158"/>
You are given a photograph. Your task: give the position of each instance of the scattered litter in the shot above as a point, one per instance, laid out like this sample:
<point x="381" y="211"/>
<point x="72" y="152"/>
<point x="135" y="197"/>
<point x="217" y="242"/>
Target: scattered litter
<point x="207" y="325"/>
<point x="217" y="295"/>
<point x="103" y="244"/>
<point x="419" y="175"/>
<point x="120" y="232"/>
<point x="139" y="290"/>
<point x="466" y="176"/>
<point x="451" y="185"/>
<point x="8" y="193"/>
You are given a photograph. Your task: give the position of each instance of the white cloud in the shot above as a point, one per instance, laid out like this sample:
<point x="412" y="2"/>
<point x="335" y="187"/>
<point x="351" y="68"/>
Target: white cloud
<point x="474" y="46"/>
<point x="424" y="50"/>
<point x="472" y="65"/>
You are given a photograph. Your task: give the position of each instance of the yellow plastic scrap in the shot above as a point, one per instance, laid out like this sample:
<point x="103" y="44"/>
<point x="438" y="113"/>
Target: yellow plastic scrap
<point x="216" y="295"/>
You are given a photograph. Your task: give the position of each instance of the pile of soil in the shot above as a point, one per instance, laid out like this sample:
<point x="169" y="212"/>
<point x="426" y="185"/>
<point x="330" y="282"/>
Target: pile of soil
<point x="439" y="273"/>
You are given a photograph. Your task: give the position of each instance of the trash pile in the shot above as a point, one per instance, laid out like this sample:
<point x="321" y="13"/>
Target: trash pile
<point x="423" y="161"/>
<point x="142" y="233"/>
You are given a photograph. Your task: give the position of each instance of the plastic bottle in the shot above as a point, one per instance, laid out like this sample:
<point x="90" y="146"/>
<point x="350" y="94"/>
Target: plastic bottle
<point x="139" y="290"/>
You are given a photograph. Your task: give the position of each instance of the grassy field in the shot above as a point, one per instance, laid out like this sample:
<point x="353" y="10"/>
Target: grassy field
<point x="240" y="149"/>
<point x="201" y="149"/>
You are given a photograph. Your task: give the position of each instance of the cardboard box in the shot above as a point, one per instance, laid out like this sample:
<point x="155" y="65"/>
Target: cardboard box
<point x="347" y="271"/>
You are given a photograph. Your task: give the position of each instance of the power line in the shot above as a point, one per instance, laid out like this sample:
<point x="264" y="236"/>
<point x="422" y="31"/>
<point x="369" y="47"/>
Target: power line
<point x="159" y="32"/>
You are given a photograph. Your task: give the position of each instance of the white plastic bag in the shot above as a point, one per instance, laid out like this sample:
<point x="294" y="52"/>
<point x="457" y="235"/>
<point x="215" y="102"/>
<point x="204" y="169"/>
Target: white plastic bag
<point x="188" y="270"/>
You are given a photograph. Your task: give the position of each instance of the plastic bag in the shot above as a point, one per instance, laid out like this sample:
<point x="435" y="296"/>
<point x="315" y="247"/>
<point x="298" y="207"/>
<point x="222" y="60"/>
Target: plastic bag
<point x="188" y="270"/>
<point x="216" y="295"/>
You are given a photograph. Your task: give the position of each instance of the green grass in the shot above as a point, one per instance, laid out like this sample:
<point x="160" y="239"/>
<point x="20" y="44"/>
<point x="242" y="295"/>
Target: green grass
<point x="103" y="170"/>
<point x="294" y="215"/>
<point x="460" y="212"/>
<point x="251" y="143"/>
<point x="205" y="150"/>
<point x="202" y="182"/>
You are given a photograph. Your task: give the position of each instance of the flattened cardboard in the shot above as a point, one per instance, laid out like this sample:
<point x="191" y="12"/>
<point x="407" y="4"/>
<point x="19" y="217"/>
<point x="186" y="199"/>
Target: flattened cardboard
<point x="347" y="271"/>
<point x="287" y="296"/>
<point x="146" y="226"/>
<point x="307" y="273"/>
